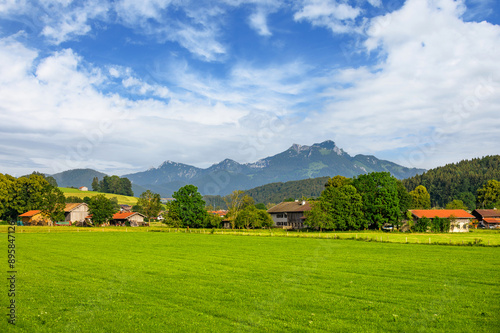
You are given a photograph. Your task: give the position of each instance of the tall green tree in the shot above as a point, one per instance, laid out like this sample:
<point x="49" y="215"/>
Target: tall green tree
<point x="26" y="194"/>
<point x="251" y="217"/>
<point x="150" y="203"/>
<point x="234" y="204"/>
<point x="420" y="198"/>
<point x="189" y="207"/>
<point x="338" y="208"/>
<point x="456" y="204"/>
<point x="489" y="195"/>
<point x="53" y="203"/>
<point x="338" y="181"/>
<point x="379" y="191"/>
<point x="95" y="185"/>
<point x="101" y="209"/>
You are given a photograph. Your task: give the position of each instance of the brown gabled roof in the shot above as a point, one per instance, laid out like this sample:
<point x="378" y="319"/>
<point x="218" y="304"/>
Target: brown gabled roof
<point x="492" y="220"/>
<point x="441" y="213"/>
<point x="290" y="207"/>
<point x="30" y="213"/>
<point x="488" y="212"/>
<point x="72" y="206"/>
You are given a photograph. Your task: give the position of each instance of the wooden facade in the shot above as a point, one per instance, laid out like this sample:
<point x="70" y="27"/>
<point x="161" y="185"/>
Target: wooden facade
<point x="289" y="215"/>
<point x="76" y="212"/>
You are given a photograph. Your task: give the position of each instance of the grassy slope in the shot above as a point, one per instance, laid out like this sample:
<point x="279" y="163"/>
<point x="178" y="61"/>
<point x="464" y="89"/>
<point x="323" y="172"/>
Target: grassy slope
<point x="192" y="282"/>
<point x="122" y="199"/>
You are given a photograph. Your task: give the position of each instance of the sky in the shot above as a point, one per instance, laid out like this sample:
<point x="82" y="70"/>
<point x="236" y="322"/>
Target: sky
<point x="121" y="86"/>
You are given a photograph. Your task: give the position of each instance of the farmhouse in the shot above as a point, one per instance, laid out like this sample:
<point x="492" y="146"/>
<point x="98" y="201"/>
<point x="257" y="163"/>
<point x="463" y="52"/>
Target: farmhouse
<point x="490" y="218"/>
<point x="34" y="217"/>
<point x="460" y="219"/>
<point x="125" y="208"/>
<point x="76" y="212"/>
<point x="289" y="215"/>
<point x="83" y="188"/>
<point x="133" y="218"/>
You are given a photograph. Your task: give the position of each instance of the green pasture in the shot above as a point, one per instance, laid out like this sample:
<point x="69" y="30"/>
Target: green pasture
<point x="122" y="199"/>
<point x="98" y="281"/>
<point x="475" y="237"/>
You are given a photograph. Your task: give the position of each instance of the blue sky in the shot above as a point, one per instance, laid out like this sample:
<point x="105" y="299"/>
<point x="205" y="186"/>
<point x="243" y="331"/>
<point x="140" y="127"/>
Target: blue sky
<point x="120" y="86"/>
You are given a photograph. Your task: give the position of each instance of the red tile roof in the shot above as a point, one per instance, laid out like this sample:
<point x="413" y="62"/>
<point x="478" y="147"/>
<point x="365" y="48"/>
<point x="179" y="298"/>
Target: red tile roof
<point x="124" y="215"/>
<point x="442" y="213"/>
<point x="30" y="213"/>
<point x="491" y="220"/>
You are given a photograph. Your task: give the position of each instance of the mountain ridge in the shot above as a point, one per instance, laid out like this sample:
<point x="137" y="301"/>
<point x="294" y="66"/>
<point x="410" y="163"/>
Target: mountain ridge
<point x="296" y="163"/>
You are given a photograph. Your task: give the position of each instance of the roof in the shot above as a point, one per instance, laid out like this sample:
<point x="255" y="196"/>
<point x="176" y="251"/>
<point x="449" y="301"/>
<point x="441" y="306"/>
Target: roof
<point x="290" y="207"/>
<point x="488" y="212"/>
<point x="220" y="213"/>
<point x="125" y="215"/>
<point x="72" y="206"/>
<point x="30" y="213"/>
<point x="441" y="213"/>
<point x="491" y="220"/>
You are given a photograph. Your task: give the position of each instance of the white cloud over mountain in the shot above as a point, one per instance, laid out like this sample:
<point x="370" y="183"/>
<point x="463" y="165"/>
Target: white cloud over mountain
<point x="427" y="94"/>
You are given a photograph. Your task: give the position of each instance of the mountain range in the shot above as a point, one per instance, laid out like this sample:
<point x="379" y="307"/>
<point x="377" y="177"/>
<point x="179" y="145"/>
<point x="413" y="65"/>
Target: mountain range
<point x="296" y="163"/>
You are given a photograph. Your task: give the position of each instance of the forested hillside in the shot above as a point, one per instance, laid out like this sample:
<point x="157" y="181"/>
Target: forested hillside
<point x="457" y="181"/>
<point x="277" y="192"/>
<point x="77" y="177"/>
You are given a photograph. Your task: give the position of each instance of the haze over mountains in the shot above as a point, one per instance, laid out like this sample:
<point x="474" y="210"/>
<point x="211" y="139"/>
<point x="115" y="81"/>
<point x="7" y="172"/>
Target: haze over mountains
<point x="297" y="162"/>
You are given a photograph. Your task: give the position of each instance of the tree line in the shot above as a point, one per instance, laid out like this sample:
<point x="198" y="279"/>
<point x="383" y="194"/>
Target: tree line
<point x="190" y="210"/>
<point x="376" y="199"/>
<point x="457" y="181"/>
<point x="113" y="184"/>
<point x="31" y="192"/>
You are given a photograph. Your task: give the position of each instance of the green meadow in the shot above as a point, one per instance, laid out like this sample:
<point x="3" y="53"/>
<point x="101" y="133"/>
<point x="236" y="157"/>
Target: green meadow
<point x="122" y="199"/>
<point x="96" y="281"/>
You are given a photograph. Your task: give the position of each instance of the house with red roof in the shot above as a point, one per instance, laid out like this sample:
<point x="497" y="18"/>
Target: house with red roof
<point x="490" y="218"/>
<point x="134" y="219"/>
<point x="34" y="217"/>
<point x="460" y="219"/>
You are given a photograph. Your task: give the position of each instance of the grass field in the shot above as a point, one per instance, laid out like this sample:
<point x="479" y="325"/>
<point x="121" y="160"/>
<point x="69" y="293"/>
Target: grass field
<point x="122" y="199"/>
<point x="160" y="281"/>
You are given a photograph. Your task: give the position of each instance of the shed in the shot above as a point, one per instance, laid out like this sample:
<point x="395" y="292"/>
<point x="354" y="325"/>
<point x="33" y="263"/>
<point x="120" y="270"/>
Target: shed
<point x="133" y="218"/>
<point x="76" y="212"/>
<point x="34" y="217"/>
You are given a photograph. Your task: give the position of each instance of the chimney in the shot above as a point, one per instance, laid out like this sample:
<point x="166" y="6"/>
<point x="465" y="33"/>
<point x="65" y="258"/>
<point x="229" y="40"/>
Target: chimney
<point x="303" y="203"/>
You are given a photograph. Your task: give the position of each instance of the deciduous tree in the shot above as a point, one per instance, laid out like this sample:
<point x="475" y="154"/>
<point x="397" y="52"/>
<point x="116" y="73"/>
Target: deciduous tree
<point x="380" y="198"/>
<point x="150" y="203"/>
<point x="420" y="198"/>
<point x="101" y="209"/>
<point x="189" y="206"/>
<point x="489" y="195"/>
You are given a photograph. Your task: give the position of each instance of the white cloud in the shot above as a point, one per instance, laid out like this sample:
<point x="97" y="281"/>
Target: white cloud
<point x="12" y="6"/>
<point x="337" y="16"/>
<point x="258" y="21"/>
<point x="65" y="21"/>
<point x="437" y="82"/>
